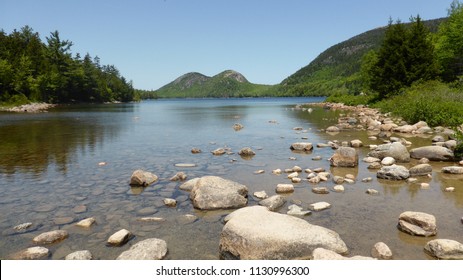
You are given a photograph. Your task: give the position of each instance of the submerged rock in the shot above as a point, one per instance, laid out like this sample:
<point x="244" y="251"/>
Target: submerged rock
<point x="296" y="210"/>
<point x="302" y="146"/>
<point x="257" y="233"/>
<point x="421" y="170"/>
<point x="142" y="178"/>
<point x="212" y="192"/>
<point x="148" y="249"/>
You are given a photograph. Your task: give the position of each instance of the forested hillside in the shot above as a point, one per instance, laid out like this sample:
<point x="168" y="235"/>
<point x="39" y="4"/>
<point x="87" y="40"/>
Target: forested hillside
<point x="33" y="70"/>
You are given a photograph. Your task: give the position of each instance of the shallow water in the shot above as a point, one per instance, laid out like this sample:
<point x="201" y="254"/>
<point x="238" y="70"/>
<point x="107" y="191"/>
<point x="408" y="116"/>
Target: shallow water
<point x="49" y="170"/>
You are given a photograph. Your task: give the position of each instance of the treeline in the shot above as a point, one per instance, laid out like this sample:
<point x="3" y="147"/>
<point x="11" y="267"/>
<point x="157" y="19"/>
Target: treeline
<point x="32" y="70"/>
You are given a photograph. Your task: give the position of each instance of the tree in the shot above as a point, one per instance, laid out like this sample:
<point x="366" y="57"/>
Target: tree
<point x="449" y="43"/>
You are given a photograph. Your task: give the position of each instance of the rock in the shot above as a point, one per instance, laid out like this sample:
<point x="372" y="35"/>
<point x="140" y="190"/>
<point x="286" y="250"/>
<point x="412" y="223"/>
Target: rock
<point x="142" y="178"/>
<point x="148" y="249"/>
<point x="371" y="159"/>
<point x="356" y="143"/>
<point x="445" y="249"/>
<point x="338" y="179"/>
<point x="238" y="126"/>
<point x="317" y="158"/>
<point x="424" y="130"/>
<point x="395" y="150"/>
<point x="33" y="253"/>
<point x="296" y="169"/>
<point x="180" y="176"/>
<point x="79" y="209"/>
<point x="196" y="151"/>
<point x="314" y="179"/>
<point x="424" y="186"/>
<point x="151" y="219"/>
<point x="381" y="251"/>
<point x="86" y="222"/>
<point x="388" y="161"/>
<point x="256" y="233"/>
<point x="276" y="171"/>
<point x="261" y="195"/>
<point x="119" y="238"/>
<point x="433" y="153"/>
<point x="461" y="162"/>
<point x="332" y="129"/>
<point x="188" y="185"/>
<point x="273" y="203"/>
<point x="450" y="144"/>
<point x="296" y="180"/>
<point x="405" y="128"/>
<point x="218" y="152"/>
<point x="79" y="255"/>
<point x="423" y="161"/>
<point x="324" y="254"/>
<point x="393" y="172"/>
<point x="260" y="171"/>
<point x="367" y="180"/>
<point x="421" y="124"/>
<point x="212" y="192"/>
<point x="170" y="202"/>
<point x="293" y="175"/>
<point x="374" y="165"/>
<point x="296" y="210"/>
<point x="453" y="169"/>
<point x="246" y="152"/>
<point x="185" y="165"/>
<point x="387" y="127"/>
<point x="320" y="190"/>
<point x="421" y="170"/>
<point x="319" y="169"/>
<point x="372" y="192"/>
<point x="284" y="188"/>
<point x="344" y="157"/>
<point x="22" y="227"/>
<point x="417" y="223"/>
<point x="50" y="237"/>
<point x="450" y="189"/>
<point x="338" y="188"/>
<point x="438" y="138"/>
<point x="302" y="146"/>
<point x="318" y="206"/>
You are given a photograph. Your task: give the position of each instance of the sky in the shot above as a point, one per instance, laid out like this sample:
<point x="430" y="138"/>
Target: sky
<point x="152" y="42"/>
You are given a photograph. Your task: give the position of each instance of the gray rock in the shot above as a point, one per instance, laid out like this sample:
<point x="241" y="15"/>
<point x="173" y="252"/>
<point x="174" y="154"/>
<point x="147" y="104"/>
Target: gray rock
<point x="332" y="129"/>
<point x="372" y="191"/>
<point x="344" y="157"/>
<point x="393" y="172"/>
<point x="246" y="152"/>
<point x="218" y="151"/>
<point x="405" y="128"/>
<point x="257" y="233"/>
<point x="381" y="251"/>
<point x="356" y="143"/>
<point x="320" y="190"/>
<point x="319" y="206"/>
<point x="388" y="161"/>
<point x="324" y="254"/>
<point x="302" y="146"/>
<point x="284" y="188"/>
<point x="33" y="253"/>
<point x="421" y="170"/>
<point x="438" y="138"/>
<point x="86" y="222"/>
<point x="395" y="150"/>
<point x="433" y="153"/>
<point x="453" y="169"/>
<point x="445" y="249"/>
<point x="273" y="203"/>
<point x="180" y="176"/>
<point x="261" y="195"/>
<point x="212" y="192"/>
<point x="119" y="238"/>
<point x="296" y="210"/>
<point x="188" y="185"/>
<point x="238" y="126"/>
<point x="50" y="237"/>
<point x="142" y="178"/>
<point x="417" y="223"/>
<point x="170" y="202"/>
<point x="148" y="249"/>
<point x="80" y="255"/>
<point x="450" y="144"/>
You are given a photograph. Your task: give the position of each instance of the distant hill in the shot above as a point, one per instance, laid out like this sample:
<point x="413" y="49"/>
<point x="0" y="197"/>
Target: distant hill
<point x="229" y="83"/>
<point x="338" y="67"/>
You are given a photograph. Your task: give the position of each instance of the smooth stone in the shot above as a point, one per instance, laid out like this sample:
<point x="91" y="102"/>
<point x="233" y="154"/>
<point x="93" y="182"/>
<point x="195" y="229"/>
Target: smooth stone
<point x="388" y="161"/>
<point x="33" y="253"/>
<point x="453" y="169"/>
<point x="296" y="180"/>
<point x="421" y="170"/>
<point x="188" y="185"/>
<point x="273" y="203"/>
<point x="344" y="157"/>
<point x="445" y="249"/>
<point x="324" y="254"/>
<point x="371" y="159"/>
<point x="338" y="188"/>
<point x="372" y="192"/>
<point x="450" y="189"/>
<point x="424" y="186"/>
<point x="261" y="195"/>
<point x="212" y="192"/>
<point x="151" y="219"/>
<point x="196" y="151"/>
<point x="433" y="153"/>
<point x="238" y="126"/>
<point x="119" y="238"/>
<point x="276" y="171"/>
<point x="179" y="176"/>
<point x="261" y="171"/>
<point x="338" y="179"/>
<point x="50" y="237"/>
<point x="170" y="202"/>
<point x="393" y="172"/>
<point x="318" y="206"/>
<point x="320" y="190"/>
<point x="218" y="152"/>
<point x="255" y="233"/>
<point x="374" y="165"/>
<point x="356" y="143"/>
<point x="367" y="180"/>
<point x="293" y="175"/>
<point x="395" y="150"/>
<point x="142" y="178"/>
<point x="381" y="251"/>
<point x="80" y="255"/>
<point x="148" y="249"/>
<point x="301" y="146"/>
<point x="417" y="223"/>
<point x="246" y="152"/>
<point x="296" y="210"/>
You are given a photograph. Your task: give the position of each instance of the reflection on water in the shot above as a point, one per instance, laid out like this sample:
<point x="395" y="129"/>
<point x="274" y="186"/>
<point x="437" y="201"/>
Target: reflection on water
<point x="50" y="176"/>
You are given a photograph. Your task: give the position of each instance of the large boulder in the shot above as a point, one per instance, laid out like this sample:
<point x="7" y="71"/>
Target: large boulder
<point x="393" y="172"/>
<point x="453" y="169"/>
<point x="445" y="249"/>
<point x="301" y="146"/>
<point x="395" y="150"/>
<point x="212" y="192"/>
<point x="142" y="178"/>
<point x="257" y="233"/>
<point x="344" y="157"/>
<point x="421" y="170"/>
<point x="148" y="249"/>
<point x="417" y="223"/>
<point x="434" y="153"/>
<point x="273" y="203"/>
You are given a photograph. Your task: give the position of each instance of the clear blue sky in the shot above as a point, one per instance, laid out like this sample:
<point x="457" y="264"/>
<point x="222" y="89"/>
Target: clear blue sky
<point x="153" y="42"/>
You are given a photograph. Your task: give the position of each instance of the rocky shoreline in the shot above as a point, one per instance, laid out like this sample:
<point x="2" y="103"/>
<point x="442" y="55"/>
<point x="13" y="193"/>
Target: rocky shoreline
<point x="29" y="108"/>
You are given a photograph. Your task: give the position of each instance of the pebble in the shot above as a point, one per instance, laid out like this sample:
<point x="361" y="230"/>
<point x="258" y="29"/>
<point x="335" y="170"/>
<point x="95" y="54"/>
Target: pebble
<point x="339" y="188"/>
<point x="284" y="188"/>
<point x="185" y="165"/>
<point x="296" y="180"/>
<point x="372" y="192"/>
<point x="296" y="210"/>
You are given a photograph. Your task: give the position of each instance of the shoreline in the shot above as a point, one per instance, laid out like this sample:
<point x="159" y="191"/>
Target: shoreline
<point x="29" y="108"/>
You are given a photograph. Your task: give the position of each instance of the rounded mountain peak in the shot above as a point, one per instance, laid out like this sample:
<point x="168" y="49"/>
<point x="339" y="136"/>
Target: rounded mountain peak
<point x="233" y="75"/>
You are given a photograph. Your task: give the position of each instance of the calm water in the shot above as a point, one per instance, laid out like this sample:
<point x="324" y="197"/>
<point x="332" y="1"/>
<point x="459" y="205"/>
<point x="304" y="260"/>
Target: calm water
<point x="50" y="176"/>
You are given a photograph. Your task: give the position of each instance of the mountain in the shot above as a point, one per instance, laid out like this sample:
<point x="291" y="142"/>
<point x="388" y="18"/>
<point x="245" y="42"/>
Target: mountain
<point x="338" y="67"/>
<point x="226" y="84"/>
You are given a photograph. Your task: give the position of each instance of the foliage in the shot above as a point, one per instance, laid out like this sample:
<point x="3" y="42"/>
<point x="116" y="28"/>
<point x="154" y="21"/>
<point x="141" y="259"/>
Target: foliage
<point x="433" y="102"/>
<point x="458" y="151"/>
<point x="48" y="72"/>
<point x="449" y="44"/>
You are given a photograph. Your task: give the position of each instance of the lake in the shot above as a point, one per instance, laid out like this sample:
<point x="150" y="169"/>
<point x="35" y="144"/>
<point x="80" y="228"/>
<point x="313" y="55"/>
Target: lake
<point x="75" y="162"/>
